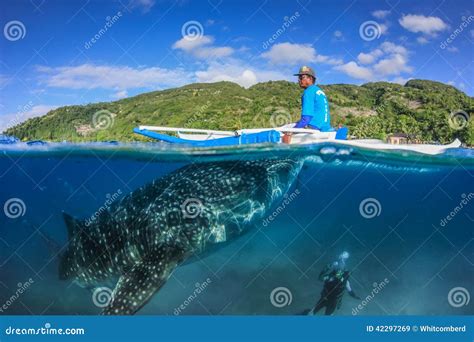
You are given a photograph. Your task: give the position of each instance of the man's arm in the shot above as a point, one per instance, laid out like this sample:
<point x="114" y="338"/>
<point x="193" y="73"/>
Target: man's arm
<point x="305" y="120"/>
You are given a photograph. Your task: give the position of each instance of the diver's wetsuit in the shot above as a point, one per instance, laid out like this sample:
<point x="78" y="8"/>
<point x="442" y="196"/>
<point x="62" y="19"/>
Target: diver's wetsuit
<point x="335" y="282"/>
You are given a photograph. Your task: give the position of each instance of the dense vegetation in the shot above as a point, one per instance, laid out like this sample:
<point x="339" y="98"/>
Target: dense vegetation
<point x="420" y="108"/>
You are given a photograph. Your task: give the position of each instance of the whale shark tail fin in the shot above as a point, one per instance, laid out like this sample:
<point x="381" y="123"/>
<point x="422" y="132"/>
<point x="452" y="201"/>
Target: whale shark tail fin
<point x="137" y="286"/>
<point x="73" y="225"/>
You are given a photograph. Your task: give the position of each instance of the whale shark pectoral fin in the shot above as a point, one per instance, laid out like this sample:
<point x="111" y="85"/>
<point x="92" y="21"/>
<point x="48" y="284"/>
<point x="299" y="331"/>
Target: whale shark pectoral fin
<point x="135" y="288"/>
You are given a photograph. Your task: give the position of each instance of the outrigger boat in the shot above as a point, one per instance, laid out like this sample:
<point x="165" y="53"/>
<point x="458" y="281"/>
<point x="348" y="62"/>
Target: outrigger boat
<point x="299" y="136"/>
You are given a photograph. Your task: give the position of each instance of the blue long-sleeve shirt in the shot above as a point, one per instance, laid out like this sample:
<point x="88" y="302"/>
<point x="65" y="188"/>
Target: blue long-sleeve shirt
<point x="314" y="109"/>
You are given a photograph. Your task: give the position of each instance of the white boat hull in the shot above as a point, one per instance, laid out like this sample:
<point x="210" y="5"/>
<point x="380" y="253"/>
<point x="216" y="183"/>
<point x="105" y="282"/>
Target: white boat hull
<point x="306" y="136"/>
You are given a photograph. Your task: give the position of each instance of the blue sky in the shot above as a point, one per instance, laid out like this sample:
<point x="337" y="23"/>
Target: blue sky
<point x="55" y="53"/>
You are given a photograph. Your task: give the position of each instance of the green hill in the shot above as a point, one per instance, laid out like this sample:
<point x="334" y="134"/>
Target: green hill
<point x="373" y="110"/>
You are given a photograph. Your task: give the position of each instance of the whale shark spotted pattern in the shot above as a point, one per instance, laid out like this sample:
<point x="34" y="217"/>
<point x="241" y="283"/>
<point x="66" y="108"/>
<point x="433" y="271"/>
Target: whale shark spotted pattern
<point x="142" y="238"/>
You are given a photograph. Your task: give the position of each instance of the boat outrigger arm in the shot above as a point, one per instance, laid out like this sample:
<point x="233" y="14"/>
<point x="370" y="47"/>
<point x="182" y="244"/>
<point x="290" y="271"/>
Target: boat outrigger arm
<point x="205" y="137"/>
<point x="211" y="138"/>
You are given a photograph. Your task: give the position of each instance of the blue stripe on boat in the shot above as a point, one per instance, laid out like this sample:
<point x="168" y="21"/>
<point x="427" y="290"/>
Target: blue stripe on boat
<point x="270" y="136"/>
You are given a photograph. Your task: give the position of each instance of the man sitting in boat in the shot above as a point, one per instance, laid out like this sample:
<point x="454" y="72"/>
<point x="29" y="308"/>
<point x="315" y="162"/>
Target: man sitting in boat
<point x="314" y="104"/>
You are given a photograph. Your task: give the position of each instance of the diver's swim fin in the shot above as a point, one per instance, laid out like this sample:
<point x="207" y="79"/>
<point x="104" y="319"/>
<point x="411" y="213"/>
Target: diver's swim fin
<point x="136" y="287"/>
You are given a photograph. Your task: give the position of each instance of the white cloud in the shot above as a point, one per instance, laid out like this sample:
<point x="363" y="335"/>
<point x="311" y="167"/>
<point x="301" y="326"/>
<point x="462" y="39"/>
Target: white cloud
<point x="144" y="5"/>
<point x="369" y="58"/>
<point x="202" y="47"/>
<point x="422" y="40"/>
<point x="422" y="24"/>
<point x="383" y="28"/>
<point x="89" y="76"/>
<point x="238" y="72"/>
<point x="120" y="94"/>
<point x="388" y="59"/>
<point x="452" y="49"/>
<point x="395" y="61"/>
<point x="380" y="14"/>
<point x="352" y="69"/>
<point x="389" y="47"/>
<point x="393" y="65"/>
<point x="13" y="119"/>
<point x="288" y="53"/>
<point x="189" y="43"/>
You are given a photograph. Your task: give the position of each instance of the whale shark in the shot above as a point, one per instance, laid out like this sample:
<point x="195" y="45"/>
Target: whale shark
<point x="141" y="238"/>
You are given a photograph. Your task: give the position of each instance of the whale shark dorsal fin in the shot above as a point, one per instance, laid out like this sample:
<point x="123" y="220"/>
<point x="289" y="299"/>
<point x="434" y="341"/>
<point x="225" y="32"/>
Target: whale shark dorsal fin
<point x="136" y="287"/>
<point x="73" y="225"/>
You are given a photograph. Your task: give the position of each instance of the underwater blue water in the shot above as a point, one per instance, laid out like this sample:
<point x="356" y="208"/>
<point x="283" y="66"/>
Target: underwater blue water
<point x="387" y="209"/>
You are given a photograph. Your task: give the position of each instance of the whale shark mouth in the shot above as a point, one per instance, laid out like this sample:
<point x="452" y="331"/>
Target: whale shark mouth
<point x="143" y="237"/>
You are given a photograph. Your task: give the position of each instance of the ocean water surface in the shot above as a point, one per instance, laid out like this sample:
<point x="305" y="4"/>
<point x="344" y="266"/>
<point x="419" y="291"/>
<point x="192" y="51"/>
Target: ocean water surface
<point x="406" y="220"/>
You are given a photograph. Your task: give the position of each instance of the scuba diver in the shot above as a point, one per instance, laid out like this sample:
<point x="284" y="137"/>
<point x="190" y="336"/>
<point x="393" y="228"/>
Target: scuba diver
<point x="336" y="281"/>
